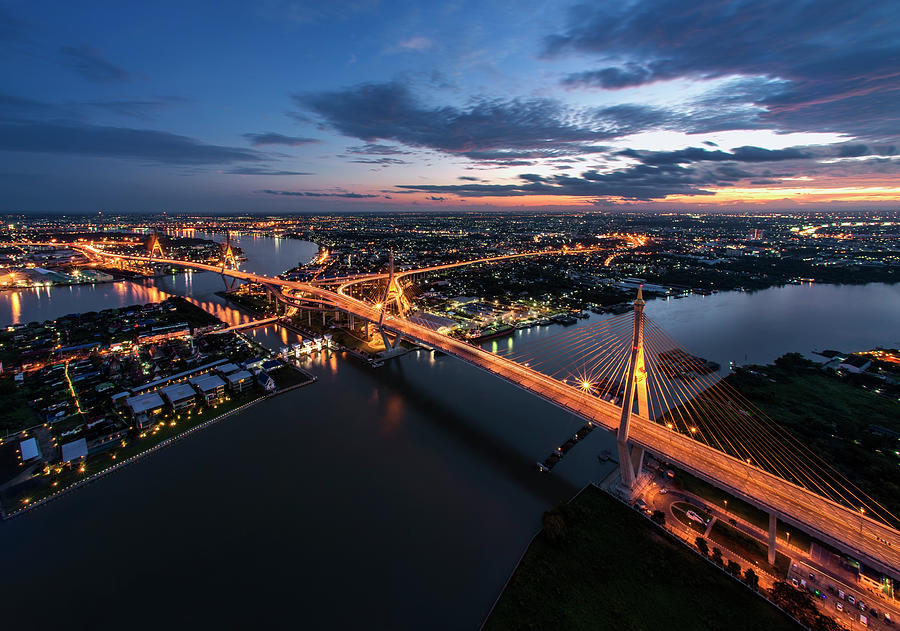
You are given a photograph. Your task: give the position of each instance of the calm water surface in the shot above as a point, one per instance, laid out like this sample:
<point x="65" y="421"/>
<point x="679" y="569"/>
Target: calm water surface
<point x="392" y="498"/>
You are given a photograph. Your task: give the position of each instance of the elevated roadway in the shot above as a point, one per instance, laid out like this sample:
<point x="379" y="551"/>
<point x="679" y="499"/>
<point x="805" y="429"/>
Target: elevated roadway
<point x="845" y="528"/>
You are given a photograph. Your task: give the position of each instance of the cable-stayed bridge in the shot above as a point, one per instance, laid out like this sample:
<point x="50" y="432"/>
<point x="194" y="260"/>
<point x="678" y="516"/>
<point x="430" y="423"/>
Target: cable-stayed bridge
<point x="625" y="375"/>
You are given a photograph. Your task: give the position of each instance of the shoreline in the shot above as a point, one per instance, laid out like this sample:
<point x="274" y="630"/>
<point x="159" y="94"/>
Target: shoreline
<point x="4" y="516"/>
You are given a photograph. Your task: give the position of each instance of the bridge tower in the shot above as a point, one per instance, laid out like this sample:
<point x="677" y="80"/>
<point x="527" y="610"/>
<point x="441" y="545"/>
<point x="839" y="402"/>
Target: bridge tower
<point x="631" y="459"/>
<point x="393" y="294"/>
<point x="229" y="261"/>
<point x="154" y="247"/>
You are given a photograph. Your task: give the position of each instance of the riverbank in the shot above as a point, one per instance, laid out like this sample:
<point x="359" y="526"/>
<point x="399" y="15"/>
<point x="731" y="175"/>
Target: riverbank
<point x="310" y="378"/>
<point x="597" y="564"/>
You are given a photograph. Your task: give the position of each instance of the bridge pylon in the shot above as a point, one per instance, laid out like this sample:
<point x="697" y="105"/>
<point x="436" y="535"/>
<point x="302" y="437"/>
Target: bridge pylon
<point x="631" y="459"/>
<point x="229" y="262"/>
<point x="154" y="247"/>
<point x="393" y="295"/>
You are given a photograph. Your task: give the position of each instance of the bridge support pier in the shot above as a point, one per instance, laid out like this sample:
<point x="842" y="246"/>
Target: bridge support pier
<point x="773" y="537"/>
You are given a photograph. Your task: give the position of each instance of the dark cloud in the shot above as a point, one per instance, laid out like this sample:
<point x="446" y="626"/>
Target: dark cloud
<point x="90" y="64"/>
<point x="639" y="182"/>
<point x="834" y="62"/>
<point x="468" y="178"/>
<point x="436" y="199"/>
<point x="695" y="154"/>
<point x="271" y="138"/>
<point x="312" y="194"/>
<point x="117" y="142"/>
<point x="263" y="171"/>
<point x="377" y="150"/>
<point x="487" y="130"/>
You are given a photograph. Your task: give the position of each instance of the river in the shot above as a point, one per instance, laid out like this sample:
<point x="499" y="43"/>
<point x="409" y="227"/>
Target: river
<point x="398" y="497"/>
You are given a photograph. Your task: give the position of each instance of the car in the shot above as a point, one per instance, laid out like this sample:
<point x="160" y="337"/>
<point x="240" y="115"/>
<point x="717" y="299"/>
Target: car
<point x="794" y="582"/>
<point x="839" y="606"/>
<point x="861" y="605"/>
<point x="663" y="491"/>
<point x="812" y="576"/>
<point x="863" y="620"/>
<point x="851" y="599"/>
<point x="841" y="594"/>
<point x="887" y="618"/>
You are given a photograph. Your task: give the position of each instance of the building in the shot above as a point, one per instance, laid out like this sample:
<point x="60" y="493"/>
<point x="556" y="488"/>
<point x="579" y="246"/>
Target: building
<point x="180" y="396"/>
<point x="144" y="408"/>
<point x="209" y="386"/>
<point x="29" y="449"/>
<point x="855" y="364"/>
<point x="271" y="364"/>
<point x="239" y="381"/>
<point x="227" y="369"/>
<point x="74" y="450"/>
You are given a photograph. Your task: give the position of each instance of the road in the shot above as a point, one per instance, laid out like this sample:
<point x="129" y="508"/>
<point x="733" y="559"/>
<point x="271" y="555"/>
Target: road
<point x="872" y="542"/>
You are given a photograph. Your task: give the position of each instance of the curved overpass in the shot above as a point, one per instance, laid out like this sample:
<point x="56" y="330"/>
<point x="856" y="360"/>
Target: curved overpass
<point x="871" y="541"/>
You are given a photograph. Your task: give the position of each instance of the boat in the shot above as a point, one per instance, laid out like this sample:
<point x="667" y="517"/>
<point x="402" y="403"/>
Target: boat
<point x="564" y="318"/>
<point x="493" y="333"/>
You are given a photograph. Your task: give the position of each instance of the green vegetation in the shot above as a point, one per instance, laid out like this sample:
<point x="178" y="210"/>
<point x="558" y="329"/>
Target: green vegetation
<point x="599" y="565"/>
<point x="832" y="416"/>
<point x="15" y="413"/>
<point x="801" y="605"/>
<point x="742" y="509"/>
<point x="749" y="548"/>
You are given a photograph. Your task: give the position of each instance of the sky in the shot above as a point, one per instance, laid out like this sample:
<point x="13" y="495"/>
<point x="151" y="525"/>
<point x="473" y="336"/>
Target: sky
<point x="356" y="105"/>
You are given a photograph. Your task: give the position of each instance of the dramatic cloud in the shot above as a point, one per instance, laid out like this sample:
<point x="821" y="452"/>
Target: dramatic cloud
<point x="694" y="154"/>
<point x="312" y="194"/>
<point x="835" y="61"/>
<point x="88" y="62"/>
<point x="117" y="142"/>
<point x="638" y="182"/>
<point x="505" y="132"/>
<point x="271" y="138"/>
<point x="655" y="175"/>
<point x="487" y="130"/>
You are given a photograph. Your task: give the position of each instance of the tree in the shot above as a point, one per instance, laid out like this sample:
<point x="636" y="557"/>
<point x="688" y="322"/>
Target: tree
<point x="751" y="578"/>
<point x="659" y="517"/>
<point x="717" y="556"/>
<point x="734" y="568"/>
<point x="701" y="545"/>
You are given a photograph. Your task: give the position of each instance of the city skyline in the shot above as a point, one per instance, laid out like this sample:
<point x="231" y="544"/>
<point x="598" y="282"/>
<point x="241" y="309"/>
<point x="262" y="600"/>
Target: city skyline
<point x="290" y="106"/>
